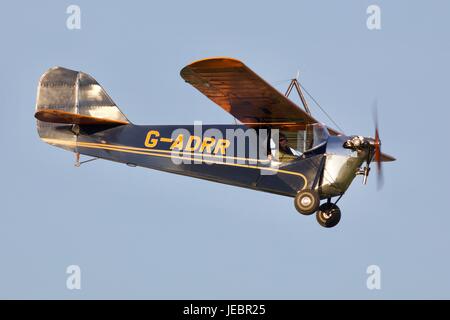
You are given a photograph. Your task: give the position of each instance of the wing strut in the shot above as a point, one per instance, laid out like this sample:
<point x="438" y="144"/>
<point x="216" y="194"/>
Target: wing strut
<point x="294" y="83"/>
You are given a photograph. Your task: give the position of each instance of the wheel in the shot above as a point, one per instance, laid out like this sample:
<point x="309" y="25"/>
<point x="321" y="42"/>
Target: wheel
<point x="307" y="202"/>
<point x="328" y="215"/>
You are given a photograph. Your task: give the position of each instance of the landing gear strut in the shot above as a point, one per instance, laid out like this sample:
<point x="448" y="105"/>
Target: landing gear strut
<point x="307" y="201"/>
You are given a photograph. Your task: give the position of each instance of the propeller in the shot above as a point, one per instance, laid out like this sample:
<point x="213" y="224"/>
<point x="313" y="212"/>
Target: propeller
<point x="372" y="148"/>
<point x="377" y="149"/>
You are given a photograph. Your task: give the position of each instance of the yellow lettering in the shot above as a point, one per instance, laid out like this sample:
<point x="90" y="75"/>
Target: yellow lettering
<point x="207" y="144"/>
<point x="178" y="143"/>
<point x="150" y="143"/>
<point x="221" y="145"/>
<point x="196" y="140"/>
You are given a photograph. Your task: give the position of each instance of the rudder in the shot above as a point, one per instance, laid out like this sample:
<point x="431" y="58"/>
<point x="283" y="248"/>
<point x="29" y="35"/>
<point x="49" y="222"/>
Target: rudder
<point x="66" y="98"/>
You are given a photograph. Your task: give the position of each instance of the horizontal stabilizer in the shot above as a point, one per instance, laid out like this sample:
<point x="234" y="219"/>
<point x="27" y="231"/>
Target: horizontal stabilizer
<point x="58" y="116"/>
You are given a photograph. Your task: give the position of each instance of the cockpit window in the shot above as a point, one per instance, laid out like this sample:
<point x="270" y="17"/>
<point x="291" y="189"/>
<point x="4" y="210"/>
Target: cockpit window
<point x="315" y="135"/>
<point x="293" y="143"/>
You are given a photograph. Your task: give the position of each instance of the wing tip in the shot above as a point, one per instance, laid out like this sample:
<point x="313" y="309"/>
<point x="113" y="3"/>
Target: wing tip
<point x="213" y="59"/>
<point x="217" y="61"/>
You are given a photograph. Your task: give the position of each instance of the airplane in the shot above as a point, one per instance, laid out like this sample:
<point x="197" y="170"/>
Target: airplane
<point x="277" y="146"/>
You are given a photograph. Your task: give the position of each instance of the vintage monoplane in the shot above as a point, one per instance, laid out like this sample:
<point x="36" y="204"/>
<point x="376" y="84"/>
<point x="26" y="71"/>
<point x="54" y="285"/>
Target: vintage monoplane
<point x="277" y="147"/>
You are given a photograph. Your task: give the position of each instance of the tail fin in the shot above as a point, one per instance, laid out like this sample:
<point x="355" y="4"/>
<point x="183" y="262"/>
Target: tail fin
<point x="66" y="98"/>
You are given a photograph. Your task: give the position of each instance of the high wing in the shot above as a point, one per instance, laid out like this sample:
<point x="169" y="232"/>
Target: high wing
<point x="245" y="95"/>
<point x="242" y="93"/>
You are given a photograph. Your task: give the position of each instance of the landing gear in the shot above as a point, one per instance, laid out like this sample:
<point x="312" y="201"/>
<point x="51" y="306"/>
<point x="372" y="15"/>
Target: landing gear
<point x="307" y="202"/>
<point x="328" y="215"/>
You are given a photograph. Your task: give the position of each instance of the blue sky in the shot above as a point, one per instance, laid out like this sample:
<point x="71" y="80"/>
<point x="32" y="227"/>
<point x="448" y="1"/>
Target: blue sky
<point x="138" y="233"/>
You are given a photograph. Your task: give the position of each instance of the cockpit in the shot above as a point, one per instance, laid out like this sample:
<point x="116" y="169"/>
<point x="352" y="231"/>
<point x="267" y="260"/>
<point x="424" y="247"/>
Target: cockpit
<point x="289" y="144"/>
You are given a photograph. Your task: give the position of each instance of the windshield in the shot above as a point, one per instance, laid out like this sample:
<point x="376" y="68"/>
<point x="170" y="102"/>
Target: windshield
<point x="296" y="142"/>
<point x="315" y="135"/>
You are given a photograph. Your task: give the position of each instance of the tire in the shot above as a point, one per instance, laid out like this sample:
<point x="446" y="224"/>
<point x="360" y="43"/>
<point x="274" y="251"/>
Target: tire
<point x="328" y="215"/>
<point x="307" y="202"/>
